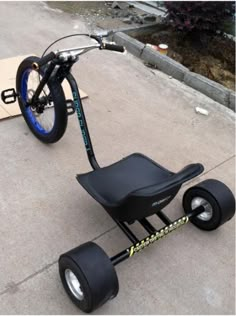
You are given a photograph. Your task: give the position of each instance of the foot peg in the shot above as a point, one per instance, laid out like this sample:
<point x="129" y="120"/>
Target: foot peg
<point x="70" y="107"/>
<point x="9" y="96"/>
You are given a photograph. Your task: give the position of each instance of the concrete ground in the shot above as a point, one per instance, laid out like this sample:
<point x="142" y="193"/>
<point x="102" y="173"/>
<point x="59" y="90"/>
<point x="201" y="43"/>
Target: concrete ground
<point x="44" y="212"/>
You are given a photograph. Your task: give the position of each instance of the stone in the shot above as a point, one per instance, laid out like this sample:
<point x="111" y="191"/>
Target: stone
<point x="150" y="18"/>
<point x="115" y="5"/>
<point x="119" y="5"/>
<point x="123" y="14"/>
<point x="137" y="19"/>
<point x="127" y="20"/>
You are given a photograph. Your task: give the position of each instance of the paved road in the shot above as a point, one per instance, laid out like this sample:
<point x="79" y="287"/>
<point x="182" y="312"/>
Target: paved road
<point x="44" y="212"/>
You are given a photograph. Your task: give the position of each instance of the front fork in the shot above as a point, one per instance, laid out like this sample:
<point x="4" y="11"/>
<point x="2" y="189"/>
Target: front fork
<point x="62" y="73"/>
<point x="53" y="73"/>
<point x="43" y="82"/>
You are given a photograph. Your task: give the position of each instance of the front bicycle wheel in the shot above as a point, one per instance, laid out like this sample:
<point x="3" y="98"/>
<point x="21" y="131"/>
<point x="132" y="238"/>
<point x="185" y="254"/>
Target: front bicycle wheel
<point x="48" y="118"/>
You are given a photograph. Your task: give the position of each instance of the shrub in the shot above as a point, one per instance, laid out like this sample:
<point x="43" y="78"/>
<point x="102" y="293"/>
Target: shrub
<point x="206" y="16"/>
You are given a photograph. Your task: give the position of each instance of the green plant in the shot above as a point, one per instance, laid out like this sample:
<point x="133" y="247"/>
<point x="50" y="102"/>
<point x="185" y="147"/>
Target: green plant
<point x="206" y="16"/>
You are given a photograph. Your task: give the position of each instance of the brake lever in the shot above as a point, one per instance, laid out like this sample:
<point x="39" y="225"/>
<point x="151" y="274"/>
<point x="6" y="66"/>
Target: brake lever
<point x="97" y="38"/>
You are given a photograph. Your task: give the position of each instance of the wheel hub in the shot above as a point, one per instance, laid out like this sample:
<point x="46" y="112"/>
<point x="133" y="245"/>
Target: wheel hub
<point x="208" y="211"/>
<point x="40" y="104"/>
<point x="74" y="284"/>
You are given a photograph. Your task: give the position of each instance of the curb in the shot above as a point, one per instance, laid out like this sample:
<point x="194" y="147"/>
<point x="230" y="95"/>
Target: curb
<point x="164" y="63"/>
<point x="135" y="30"/>
<point x="232" y="100"/>
<point x="210" y="88"/>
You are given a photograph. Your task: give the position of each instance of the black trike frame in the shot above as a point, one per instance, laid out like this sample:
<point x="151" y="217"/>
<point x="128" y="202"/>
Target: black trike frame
<point x="58" y="70"/>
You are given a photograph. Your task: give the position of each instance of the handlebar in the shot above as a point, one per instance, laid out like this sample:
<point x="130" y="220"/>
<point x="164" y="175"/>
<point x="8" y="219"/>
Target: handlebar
<point x="108" y="46"/>
<point x="101" y="45"/>
<point x="115" y="48"/>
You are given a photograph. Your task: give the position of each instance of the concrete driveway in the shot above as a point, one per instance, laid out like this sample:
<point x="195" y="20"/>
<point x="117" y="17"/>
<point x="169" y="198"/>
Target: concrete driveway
<point x="44" y="212"/>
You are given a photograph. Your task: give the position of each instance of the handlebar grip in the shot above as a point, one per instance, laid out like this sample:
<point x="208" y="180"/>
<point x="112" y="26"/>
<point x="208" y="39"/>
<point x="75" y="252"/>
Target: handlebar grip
<point x="116" y="48"/>
<point x="44" y="60"/>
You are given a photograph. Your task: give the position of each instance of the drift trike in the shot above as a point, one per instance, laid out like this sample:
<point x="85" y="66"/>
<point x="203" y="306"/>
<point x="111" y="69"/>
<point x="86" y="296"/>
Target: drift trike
<point x="130" y="190"/>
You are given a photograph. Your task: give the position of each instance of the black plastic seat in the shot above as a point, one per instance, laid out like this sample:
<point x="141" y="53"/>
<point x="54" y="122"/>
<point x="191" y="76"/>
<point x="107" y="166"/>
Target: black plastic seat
<point x="136" y="186"/>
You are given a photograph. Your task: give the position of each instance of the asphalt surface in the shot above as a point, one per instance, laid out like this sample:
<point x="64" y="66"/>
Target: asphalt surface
<point x="44" y="212"/>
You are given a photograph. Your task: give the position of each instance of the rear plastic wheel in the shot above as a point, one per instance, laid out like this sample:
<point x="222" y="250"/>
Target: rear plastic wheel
<point x="216" y="198"/>
<point x="88" y="276"/>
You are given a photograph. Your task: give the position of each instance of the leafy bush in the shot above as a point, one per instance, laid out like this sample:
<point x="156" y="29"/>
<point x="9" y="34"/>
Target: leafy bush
<point x="198" y="16"/>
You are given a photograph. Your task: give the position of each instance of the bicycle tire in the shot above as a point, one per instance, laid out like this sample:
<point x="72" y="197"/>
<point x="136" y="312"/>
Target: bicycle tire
<point x="59" y="104"/>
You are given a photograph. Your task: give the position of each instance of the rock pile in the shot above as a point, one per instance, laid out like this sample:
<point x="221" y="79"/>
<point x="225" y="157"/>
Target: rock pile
<point x="126" y="12"/>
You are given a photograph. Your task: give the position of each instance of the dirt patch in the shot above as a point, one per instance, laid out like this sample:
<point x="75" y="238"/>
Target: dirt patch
<point x="96" y="8"/>
<point x="210" y="56"/>
<point x="101" y="14"/>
